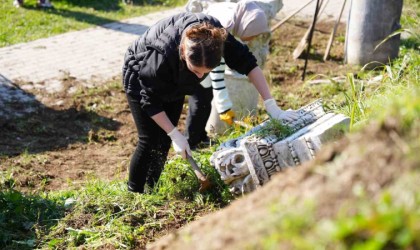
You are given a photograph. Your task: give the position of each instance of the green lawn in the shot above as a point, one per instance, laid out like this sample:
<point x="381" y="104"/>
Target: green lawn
<point x="30" y="22"/>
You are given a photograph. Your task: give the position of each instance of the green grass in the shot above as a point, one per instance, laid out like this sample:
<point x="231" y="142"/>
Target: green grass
<point x="24" y="218"/>
<point x="103" y="213"/>
<point x="275" y="127"/>
<point x="29" y="23"/>
<point x="96" y="213"/>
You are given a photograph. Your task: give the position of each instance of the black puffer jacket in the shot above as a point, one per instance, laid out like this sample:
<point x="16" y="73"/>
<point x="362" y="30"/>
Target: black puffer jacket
<point x="154" y="71"/>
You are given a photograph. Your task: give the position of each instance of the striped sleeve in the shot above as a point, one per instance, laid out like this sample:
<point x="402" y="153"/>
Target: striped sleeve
<point x="220" y="92"/>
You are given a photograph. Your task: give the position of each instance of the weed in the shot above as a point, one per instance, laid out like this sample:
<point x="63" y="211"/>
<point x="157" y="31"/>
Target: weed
<point x="355" y="107"/>
<point x="21" y="213"/>
<point x="102" y="135"/>
<point x="7" y="181"/>
<point x="274" y="127"/>
<point x="105" y="213"/>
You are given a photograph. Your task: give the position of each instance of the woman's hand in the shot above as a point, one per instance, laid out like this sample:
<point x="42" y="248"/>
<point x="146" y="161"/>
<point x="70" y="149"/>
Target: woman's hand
<point x="180" y="143"/>
<point x="275" y="112"/>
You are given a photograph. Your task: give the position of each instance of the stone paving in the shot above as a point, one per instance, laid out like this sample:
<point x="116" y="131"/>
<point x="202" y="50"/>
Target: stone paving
<point x="91" y="56"/>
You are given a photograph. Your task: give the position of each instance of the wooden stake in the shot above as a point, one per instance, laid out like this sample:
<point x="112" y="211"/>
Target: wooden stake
<point x="311" y="33"/>
<point x="327" y="50"/>
<point x="289" y="16"/>
<point x="304" y="41"/>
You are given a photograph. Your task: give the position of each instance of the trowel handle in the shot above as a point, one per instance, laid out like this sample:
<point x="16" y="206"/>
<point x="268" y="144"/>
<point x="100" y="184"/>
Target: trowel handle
<point x="197" y="170"/>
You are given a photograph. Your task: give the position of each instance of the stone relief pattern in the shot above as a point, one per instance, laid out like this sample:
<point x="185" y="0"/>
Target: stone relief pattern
<point x="244" y="176"/>
<point x="293" y="153"/>
<point x="308" y="114"/>
<point x="231" y="165"/>
<point x="247" y="162"/>
<point x="310" y="146"/>
<point x="240" y="187"/>
<point x="255" y="166"/>
<point x="268" y="158"/>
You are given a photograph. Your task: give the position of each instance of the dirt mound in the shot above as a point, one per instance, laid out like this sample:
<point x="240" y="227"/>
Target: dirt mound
<point x="370" y="160"/>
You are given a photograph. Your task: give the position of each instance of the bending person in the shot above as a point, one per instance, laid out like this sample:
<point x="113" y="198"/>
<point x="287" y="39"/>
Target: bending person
<point x="162" y="66"/>
<point x="245" y="20"/>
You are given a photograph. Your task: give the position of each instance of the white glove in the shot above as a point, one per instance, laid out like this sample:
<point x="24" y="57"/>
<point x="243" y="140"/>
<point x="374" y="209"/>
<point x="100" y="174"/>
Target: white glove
<point x="180" y="143"/>
<point x="275" y="112"/>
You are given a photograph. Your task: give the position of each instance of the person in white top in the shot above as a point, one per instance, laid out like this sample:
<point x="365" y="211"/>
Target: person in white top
<point x="41" y="3"/>
<point x="245" y="20"/>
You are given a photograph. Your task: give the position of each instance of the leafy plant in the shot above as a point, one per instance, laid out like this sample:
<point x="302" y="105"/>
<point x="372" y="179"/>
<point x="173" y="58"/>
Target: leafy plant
<point x="24" y="218"/>
<point x="355" y="106"/>
<point x="274" y="127"/>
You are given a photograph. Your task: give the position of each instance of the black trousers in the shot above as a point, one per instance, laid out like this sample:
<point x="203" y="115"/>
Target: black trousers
<point x="199" y="108"/>
<point x="149" y="157"/>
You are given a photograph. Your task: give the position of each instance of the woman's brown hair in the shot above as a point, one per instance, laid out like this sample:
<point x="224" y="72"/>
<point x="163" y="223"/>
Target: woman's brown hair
<point x="202" y="45"/>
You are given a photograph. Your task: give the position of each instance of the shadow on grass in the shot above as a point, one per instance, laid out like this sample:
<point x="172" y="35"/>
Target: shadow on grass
<point x="24" y="217"/>
<point x="27" y="125"/>
<point x="109" y="5"/>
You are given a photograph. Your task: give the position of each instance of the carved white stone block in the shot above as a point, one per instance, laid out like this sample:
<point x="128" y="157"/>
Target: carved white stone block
<point x="247" y="162"/>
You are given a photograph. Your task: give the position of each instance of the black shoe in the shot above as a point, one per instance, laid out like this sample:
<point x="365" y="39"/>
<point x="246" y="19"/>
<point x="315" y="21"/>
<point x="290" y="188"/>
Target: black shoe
<point x="18" y="3"/>
<point x="134" y="190"/>
<point x="45" y="4"/>
<point x="203" y="143"/>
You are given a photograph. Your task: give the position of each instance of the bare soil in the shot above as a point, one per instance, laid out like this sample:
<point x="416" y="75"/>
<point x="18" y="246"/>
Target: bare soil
<point x="71" y="140"/>
<point x="287" y="72"/>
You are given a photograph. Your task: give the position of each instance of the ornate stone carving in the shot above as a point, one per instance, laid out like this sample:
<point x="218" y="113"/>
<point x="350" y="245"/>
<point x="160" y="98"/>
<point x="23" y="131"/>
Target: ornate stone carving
<point x="231" y="165"/>
<point x="247" y="162"/>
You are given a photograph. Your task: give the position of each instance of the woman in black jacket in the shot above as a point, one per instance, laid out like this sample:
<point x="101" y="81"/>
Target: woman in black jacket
<point x="162" y="66"/>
